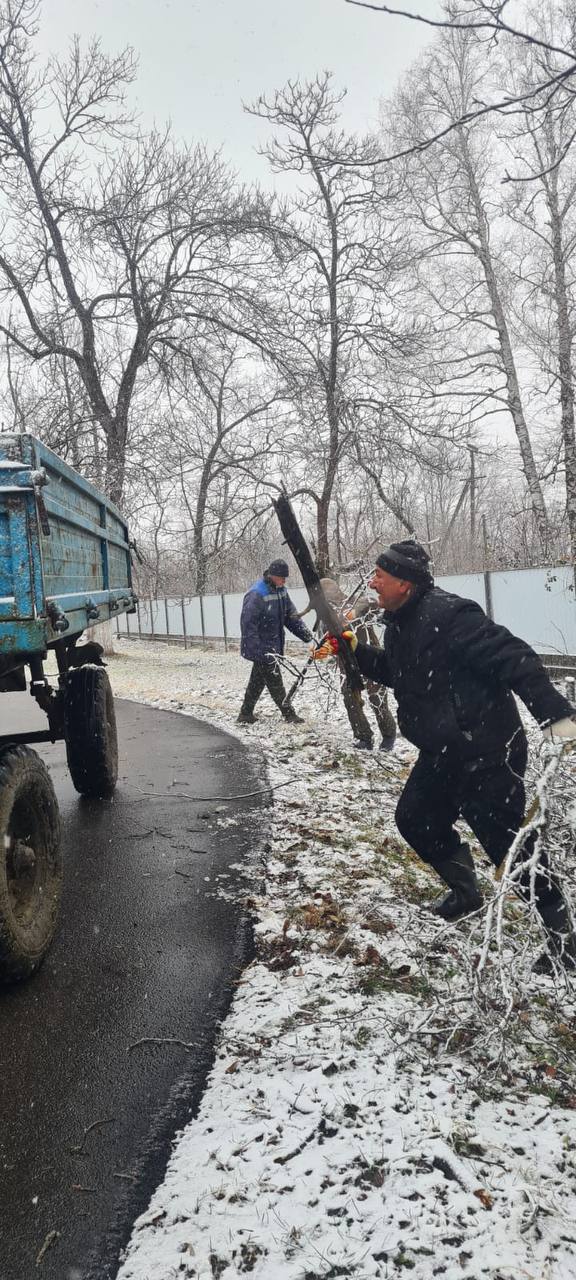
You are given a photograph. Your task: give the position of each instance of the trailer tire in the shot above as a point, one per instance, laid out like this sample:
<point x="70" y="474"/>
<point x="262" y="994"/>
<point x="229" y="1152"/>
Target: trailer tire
<point x="90" y="731"/>
<point x="30" y="862"/>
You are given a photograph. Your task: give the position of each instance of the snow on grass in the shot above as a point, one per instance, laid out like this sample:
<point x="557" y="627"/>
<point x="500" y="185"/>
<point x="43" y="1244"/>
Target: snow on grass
<point x="372" y="1112"/>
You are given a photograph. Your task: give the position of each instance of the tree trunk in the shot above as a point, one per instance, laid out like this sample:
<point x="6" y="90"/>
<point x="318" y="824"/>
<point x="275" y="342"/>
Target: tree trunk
<point x="325" y="500"/>
<point x="201" y="568"/>
<point x="116" y="435"/>
<point x="331" y="388"/>
<point x="514" y="398"/>
<point x="564" y="360"/>
<point x="200" y="558"/>
<point x="103" y="634"/>
<point x="323" y="552"/>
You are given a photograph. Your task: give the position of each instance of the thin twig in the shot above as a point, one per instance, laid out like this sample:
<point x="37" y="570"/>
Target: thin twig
<point x="162" y="1040"/>
<point x="179" y="795"/>
<point x="51" y="1239"/>
<point x="96" y="1124"/>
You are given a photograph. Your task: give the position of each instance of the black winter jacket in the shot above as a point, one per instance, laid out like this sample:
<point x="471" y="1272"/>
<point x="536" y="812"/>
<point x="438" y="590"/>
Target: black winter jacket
<point x="453" y="672"/>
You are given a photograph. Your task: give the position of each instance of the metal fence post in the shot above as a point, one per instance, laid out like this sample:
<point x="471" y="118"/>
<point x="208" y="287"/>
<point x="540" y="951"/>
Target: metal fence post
<point x="139" y="620"/>
<point x="488" y="594"/>
<point x="151" y="617"/>
<point x="184" y="622"/>
<point x="202" y="624"/>
<point x="487" y="579"/>
<point x="223" y="599"/>
<point x="166" y="616"/>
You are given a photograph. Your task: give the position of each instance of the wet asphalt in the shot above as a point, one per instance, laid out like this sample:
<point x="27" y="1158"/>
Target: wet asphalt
<point x="146" y="948"/>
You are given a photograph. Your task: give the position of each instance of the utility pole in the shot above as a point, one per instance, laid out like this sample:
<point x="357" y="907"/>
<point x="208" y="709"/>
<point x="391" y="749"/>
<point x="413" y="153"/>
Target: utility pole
<point x="473" y="451"/>
<point x="485" y="541"/>
<point x="452" y="520"/>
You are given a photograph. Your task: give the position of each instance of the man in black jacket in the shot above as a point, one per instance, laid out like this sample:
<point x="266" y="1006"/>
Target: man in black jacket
<point x="454" y="672"/>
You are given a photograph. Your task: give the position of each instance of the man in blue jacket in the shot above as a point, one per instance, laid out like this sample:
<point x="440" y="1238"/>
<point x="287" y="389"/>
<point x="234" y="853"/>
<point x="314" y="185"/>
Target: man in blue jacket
<point x="454" y="673"/>
<point x="266" y="610"/>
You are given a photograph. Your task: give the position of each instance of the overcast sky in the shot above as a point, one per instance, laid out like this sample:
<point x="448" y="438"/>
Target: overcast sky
<point x="200" y="59"/>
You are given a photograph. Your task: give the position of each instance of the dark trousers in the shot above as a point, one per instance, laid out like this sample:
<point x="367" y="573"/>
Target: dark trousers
<point x="359" y="723"/>
<point x="489" y="795"/>
<point x="264" y="675"/>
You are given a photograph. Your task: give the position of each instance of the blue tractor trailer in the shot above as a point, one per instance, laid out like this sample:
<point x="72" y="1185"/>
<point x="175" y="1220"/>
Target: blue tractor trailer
<point x="64" y="565"/>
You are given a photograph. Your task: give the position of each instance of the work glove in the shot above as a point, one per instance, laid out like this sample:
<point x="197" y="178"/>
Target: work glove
<point x="562" y="731"/>
<point x="333" y="645"/>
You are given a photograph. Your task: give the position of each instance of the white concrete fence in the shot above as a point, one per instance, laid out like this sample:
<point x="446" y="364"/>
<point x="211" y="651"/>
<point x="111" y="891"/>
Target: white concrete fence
<point x="537" y="604"/>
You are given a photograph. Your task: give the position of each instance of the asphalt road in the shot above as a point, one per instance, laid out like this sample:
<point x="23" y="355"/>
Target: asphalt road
<point x="145" y="949"/>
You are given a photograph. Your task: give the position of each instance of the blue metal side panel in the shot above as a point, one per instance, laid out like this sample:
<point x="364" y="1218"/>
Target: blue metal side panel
<point x="23" y="559"/>
<point x="80" y="568"/>
<point x="72" y="559"/>
<point x="6" y="574"/>
<point x="118" y="563"/>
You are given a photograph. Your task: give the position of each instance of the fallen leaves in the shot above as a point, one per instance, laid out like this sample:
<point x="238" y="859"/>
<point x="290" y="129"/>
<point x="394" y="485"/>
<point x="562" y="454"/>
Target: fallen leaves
<point x="369" y="956"/>
<point x="484" y="1197"/>
<point x="323" y="913"/>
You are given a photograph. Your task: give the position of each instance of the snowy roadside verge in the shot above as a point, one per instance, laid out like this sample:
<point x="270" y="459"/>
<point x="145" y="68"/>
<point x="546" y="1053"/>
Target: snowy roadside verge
<point x="359" y="1120"/>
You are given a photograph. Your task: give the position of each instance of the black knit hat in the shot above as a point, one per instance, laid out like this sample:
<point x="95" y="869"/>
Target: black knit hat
<point x="278" y="569"/>
<point x="407" y="560"/>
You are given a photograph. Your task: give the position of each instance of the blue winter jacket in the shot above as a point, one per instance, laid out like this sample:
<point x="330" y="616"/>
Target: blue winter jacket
<point x="266" y="610"/>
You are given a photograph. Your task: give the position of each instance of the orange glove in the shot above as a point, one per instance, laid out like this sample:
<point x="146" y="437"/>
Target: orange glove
<point x="333" y="645"/>
<point x="328" y="649"/>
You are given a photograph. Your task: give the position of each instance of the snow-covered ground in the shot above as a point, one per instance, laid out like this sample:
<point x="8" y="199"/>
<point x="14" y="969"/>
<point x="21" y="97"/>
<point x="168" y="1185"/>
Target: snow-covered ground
<point x="381" y="1104"/>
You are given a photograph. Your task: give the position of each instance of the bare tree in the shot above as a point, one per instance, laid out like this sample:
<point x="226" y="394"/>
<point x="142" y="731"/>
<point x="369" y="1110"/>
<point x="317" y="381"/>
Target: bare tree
<point x="449" y="193"/>
<point x="338" y="259"/>
<point x="486" y="22"/>
<point x="541" y="202"/>
<point x="219" y="428"/>
<point x="105" y="234"/>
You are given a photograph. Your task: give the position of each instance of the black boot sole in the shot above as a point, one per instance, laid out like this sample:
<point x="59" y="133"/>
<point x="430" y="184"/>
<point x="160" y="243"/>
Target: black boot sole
<point x="457" y="912"/>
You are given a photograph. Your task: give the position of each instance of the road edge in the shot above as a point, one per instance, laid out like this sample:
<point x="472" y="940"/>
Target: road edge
<point x="184" y="1099"/>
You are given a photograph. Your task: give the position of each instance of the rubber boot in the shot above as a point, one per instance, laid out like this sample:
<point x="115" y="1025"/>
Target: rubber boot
<point x="289" y="715"/>
<point x="246" y="717"/>
<point x="465" y="894"/>
<point x="560" y="937"/>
